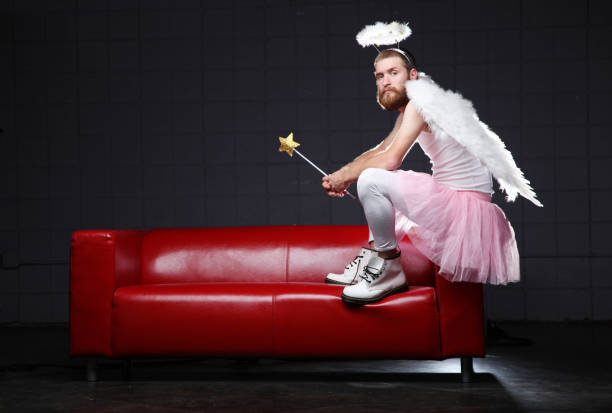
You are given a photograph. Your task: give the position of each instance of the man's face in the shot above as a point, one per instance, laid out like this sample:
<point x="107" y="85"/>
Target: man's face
<point x="391" y="76"/>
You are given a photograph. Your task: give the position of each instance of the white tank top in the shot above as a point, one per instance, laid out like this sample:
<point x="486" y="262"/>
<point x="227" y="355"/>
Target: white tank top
<point x="453" y="166"/>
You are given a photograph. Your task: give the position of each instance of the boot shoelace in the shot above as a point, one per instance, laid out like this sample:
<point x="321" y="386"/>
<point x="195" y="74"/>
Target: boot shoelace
<point x="356" y="261"/>
<point x="370" y="275"/>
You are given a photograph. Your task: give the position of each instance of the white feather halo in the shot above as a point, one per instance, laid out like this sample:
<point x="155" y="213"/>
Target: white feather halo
<point x="383" y="34"/>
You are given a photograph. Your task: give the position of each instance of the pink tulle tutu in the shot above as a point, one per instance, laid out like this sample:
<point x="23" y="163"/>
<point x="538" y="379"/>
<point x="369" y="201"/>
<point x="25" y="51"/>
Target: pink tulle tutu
<point x="462" y="232"/>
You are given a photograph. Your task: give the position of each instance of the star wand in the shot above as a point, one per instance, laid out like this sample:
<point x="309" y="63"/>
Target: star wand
<point x="288" y="145"/>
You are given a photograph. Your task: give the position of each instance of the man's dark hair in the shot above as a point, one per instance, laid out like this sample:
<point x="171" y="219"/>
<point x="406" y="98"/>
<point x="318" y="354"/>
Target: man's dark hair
<point x="407" y="57"/>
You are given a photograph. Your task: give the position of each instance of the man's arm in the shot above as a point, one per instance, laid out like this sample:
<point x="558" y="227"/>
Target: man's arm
<point x="389" y="157"/>
<point x="384" y="144"/>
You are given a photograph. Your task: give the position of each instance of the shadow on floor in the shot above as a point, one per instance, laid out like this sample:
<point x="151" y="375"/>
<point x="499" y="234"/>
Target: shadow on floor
<point x="269" y="385"/>
<point x="556" y="367"/>
<point x="239" y="371"/>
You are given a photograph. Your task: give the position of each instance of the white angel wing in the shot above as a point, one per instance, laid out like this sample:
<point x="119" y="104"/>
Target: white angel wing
<point x="452" y="113"/>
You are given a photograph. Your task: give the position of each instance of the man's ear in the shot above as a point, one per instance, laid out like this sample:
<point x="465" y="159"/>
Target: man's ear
<point x="414" y="74"/>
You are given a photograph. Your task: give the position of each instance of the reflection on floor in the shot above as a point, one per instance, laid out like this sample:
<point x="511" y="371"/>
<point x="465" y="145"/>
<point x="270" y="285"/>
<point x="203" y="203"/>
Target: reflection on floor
<point x="566" y="367"/>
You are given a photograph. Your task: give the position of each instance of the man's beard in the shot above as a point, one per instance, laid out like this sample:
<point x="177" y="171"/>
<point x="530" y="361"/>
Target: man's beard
<point x="392" y="101"/>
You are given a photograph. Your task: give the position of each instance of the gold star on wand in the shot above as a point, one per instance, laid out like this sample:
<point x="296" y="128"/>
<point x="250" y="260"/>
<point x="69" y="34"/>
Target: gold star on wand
<point x="288" y="145"/>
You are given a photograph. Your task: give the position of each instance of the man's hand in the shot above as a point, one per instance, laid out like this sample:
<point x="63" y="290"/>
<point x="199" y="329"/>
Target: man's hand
<point x="335" y="184"/>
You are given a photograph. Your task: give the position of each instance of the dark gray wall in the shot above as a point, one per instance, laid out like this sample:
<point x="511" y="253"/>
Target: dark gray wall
<point x="146" y="114"/>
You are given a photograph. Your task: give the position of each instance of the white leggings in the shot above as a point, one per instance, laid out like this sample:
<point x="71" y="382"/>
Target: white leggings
<point x="377" y="194"/>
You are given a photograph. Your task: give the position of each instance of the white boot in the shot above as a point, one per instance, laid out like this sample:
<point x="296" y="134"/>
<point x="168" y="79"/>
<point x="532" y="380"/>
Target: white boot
<point x="354" y="270"/>
<point x="382" y="277"/>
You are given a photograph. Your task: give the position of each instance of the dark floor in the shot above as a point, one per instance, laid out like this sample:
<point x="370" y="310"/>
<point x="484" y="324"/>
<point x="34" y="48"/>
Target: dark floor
<point x="567" y="368"/>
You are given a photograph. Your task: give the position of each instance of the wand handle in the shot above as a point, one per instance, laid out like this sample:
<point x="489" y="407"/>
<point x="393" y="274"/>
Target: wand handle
<point x="320" y="170"/>
<point x="308" y="160"/>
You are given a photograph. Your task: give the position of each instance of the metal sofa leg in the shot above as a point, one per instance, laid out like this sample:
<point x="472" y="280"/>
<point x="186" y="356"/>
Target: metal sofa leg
<point x="126" y="371"/>
<point x="92" y="370"/>
<point x="467" y="370"/>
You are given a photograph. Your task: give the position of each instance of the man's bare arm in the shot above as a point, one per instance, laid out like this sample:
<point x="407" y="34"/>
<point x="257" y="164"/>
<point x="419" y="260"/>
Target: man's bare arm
<point x="384" y="144"/>
<point x="390" y="158"/>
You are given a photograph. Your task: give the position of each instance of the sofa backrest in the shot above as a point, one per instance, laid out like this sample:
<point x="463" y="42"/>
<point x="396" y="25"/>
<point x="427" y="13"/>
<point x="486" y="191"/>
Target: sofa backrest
<point x="262" y="254"/>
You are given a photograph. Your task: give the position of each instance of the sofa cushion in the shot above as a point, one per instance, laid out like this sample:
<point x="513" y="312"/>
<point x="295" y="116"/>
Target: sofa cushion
<point x="271" y="320"/>
<point x="263" y="254"/>
<point x="315" y="251"/>
<point x="217" y="319"/>
<point x="310" y="320"/>
<point x="240" y="254"/>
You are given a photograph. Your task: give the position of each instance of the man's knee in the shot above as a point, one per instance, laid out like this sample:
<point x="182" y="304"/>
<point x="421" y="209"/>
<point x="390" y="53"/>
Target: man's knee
<point x="368" y="179"/>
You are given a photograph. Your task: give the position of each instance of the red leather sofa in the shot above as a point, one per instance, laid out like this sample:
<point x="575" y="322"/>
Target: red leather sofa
<point x="257" y="292"/>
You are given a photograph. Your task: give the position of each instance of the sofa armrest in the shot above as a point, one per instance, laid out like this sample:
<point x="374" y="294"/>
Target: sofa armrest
<point x="100" y="262"/>
<point x="461" y="318"/>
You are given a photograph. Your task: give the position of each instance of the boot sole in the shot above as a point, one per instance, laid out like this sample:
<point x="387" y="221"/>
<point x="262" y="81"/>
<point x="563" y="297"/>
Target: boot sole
<point x="328" y="281"/>
<point x="362" y="301"/>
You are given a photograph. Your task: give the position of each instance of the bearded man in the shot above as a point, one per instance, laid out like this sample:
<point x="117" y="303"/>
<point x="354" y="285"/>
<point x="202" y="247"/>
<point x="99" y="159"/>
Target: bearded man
<point x="447" y="215"/>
